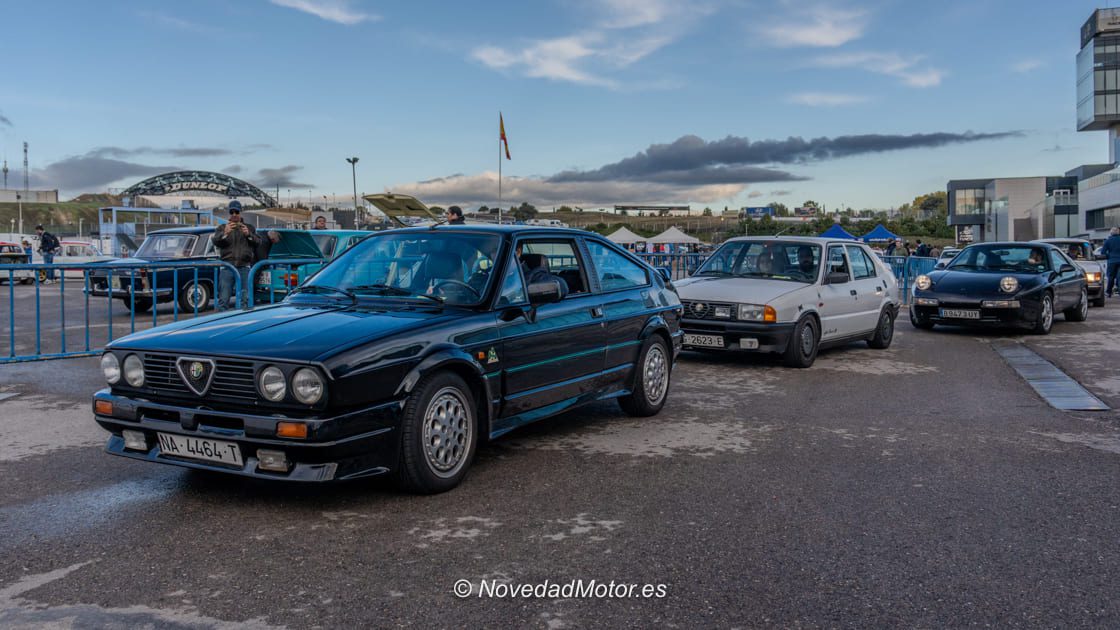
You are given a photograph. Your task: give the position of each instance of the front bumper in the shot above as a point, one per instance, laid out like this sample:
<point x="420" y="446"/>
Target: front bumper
<point x="770" y="337"/>
<point x="1025" y="315"/>
<point x="125" y="294"/>
<point x="357" y="444"/>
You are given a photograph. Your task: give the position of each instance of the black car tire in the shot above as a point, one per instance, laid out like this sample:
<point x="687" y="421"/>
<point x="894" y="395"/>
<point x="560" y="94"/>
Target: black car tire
<point x="204" y="297"/>
<point x="30" y="280"/>
<point x="651" y="379"/>
<point x="1045" y="319"/>
<point x="1099" y="301"/>
<point x="884" y="331"/>
<point x="803" y="344"/>
<point x="142" y="305"/>
<point x="1080" y="311"/>
<point x="435" y="453"/>
<point x="919" y="321"/>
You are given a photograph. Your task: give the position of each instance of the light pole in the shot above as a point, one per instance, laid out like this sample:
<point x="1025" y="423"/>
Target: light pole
<point x="354" y="174"/>
<point x="80" y="219"/>
<point x="19" y="200"/>
<point x="289" y="197"/>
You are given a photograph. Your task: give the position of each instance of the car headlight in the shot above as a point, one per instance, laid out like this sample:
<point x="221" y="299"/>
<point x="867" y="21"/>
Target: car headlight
<point x="923" y="282"/>
<point x="757" y="313"/>
<point x="111" y="368"/>
<point x="134" y="371"/>
<point x="271" y="383"/>
<point x="1008" y="284"/>
<point x="1092" y="277"/>
<point x="307" y="386"/>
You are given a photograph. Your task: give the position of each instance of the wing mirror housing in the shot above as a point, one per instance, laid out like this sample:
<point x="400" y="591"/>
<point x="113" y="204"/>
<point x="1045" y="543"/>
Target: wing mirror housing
<point x="544" y="292"/>
<point x="1067" y="268"/>
<point x="940" y="265"/>
<point x="836" y="277"/>
<point x="665" y="274"/>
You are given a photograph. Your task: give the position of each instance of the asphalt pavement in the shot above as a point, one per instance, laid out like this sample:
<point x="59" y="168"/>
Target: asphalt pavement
<point x="922" y="486"/>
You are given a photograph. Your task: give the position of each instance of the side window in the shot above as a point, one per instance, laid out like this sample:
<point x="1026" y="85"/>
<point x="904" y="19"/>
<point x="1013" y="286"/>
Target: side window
<point x="553" y="259"/>
<point x="836" y="261"/>
<point x="615" y="270"/>
<point x="1056" y="260"/>
<point x="513" y="287"/>
<point x="862" y="268"/>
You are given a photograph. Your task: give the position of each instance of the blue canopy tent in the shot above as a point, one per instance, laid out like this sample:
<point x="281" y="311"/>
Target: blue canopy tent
<point x="879" y="235"/>
<point x="836" y="231"/>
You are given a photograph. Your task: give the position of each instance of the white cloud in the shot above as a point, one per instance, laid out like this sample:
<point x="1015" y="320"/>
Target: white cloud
<point x="911" y="70"/>
<point x="339" y="11"/>
<point x="754" y="194"/>
<point x="1026" y="65"/>
<point x="557" y="59"/>
<point x="825" y="99"/>
<point x="816" y="26"/>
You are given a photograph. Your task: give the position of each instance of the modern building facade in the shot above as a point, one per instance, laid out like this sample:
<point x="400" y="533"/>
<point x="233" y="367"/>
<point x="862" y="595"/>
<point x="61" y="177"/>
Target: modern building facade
<point x="1013" y="208"/>
<point x="1098" y="109"/>
<point x="9" y="195"/>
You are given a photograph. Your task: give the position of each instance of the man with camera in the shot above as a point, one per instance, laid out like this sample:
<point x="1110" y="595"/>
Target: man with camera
<point x="237" y="245"/>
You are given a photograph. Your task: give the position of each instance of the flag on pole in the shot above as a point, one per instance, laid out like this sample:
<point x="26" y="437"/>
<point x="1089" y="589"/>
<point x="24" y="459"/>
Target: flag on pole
<point x="502" y="134"/>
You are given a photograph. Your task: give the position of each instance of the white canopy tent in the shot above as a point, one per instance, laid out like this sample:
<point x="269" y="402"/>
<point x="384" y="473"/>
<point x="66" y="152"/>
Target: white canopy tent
<point x="623" y="236"/>
<point x="674" y="236"/>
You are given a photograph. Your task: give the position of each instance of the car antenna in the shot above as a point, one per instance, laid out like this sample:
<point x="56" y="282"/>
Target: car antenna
<point x="783" y="231"/>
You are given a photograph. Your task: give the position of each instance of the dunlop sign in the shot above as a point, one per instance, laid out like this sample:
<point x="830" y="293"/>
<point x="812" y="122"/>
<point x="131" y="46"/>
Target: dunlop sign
<point x="211" y="186"/>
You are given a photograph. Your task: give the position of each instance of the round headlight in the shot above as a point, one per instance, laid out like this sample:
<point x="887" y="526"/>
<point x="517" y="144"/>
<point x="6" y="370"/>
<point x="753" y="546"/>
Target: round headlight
<point x="134" y="371"/>
<point x="307" y="386"/>
<point x="271" y="383"/>
<point x="111" y="368"/>
<point x="1008" y="284"/>
<point x="923" y="282"/>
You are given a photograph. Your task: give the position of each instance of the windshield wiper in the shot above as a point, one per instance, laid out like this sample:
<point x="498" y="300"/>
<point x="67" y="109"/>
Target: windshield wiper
<point x="322" y="288"/>
<point x="397" y="291"/>
<point x="712" y="272"/>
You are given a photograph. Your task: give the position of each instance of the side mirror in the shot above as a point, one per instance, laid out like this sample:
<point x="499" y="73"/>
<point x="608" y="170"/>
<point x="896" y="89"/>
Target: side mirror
<point x="1067" y="268"/>
<point x="665" y="274"/>
<point x="544" y="292"/>
<point x="836" y="277"/>
<point x="940" y="264"/>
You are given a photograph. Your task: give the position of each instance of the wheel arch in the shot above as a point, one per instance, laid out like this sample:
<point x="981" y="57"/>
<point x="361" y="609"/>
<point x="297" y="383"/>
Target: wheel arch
<point x="458" y="362"/>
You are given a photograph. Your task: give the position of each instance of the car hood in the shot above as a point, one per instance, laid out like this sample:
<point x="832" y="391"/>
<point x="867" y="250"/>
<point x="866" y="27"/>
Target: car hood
<point x="285" y="332"/>
<point x="295" y="245"/>
<point x="964" y="282"/>
<point x="724" y="289"/>
<point x="1090" y="266"/>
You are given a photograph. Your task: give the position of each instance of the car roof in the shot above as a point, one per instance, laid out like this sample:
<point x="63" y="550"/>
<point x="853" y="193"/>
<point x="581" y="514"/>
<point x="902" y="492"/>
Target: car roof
<point x="1014" y="244"/>
<point x="815" y="240"/>
<point x="496" y="229"/>
<point x="1062" y="241"/>
<point x="193" y="229"/>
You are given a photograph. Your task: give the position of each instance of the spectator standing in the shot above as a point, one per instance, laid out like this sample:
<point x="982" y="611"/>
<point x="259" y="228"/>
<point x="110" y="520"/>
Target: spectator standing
<point x="320" y="223"/>
<point x="26" y="244"/>
<point x="455" y="216"/>
<point x="48" y="247"/>
<point x="905" y="250"/>
<point x="1111" y="251"/>
<point x="890" y="249"/>
<point x="237" y="245"/>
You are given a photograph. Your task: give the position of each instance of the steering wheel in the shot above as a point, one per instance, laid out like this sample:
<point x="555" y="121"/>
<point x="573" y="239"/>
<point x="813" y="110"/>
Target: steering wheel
<point x="459" y="283"/>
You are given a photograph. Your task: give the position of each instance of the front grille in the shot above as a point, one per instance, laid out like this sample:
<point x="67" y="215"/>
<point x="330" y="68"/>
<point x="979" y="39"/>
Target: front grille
<point x="707" y="310"/>
<point x="232" y="378"/>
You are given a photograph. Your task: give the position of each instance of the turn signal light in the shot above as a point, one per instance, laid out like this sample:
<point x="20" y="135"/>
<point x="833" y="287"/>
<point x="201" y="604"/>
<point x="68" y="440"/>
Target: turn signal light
<point x="291" y="280"/>
<point x="103" y="407"/>
<point x="769" y="314"/>
<point x="291" y="430"/>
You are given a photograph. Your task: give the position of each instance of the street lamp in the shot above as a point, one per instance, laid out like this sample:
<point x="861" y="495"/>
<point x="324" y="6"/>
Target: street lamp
<point x="354" y="174"/>
<point x="19" y="200"/>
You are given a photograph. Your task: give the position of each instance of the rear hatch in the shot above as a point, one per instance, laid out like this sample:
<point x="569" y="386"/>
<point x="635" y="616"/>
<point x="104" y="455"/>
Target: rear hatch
<point x="397" y="207"/>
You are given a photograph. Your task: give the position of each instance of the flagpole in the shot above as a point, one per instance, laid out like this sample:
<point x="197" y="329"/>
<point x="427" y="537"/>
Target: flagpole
<point x="499" y="172"/>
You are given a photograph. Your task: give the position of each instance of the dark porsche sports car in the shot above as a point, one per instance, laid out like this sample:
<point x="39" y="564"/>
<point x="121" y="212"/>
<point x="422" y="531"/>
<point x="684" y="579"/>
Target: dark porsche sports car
<point x="1002" y="284"/>
<point x="398" y="357"/>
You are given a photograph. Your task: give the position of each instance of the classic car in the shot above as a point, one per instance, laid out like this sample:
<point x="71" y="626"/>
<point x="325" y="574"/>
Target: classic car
<point x="1002" y="284"/>
<point x="186" y="244"/>
<point x="947" y="255"/>
<point x="12" y="254"/>
<point x="789" y="296"/>
<point x="397" y="358"/>
<point x="1080" y="251"/>
<point x="298" y="255"/>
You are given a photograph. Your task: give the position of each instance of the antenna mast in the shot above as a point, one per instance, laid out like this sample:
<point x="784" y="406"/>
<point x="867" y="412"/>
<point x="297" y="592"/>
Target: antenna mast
<point x="26" y="177"/>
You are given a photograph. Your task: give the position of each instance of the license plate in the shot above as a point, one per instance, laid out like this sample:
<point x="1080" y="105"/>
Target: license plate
<point x="703" y="341"/>
<point x="959" y="313"/>
<point x="199" y="448"/>
<point x="748" y="343"/>
<point x="265" y="278"/>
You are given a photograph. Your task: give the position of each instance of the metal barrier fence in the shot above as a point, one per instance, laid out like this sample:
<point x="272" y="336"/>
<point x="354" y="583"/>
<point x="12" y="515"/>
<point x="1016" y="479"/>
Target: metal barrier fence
<point x="906" y="269"/>
<point x="679" y="265"/>
<point x="139" y="286"/>
<point x="275" y="286"/>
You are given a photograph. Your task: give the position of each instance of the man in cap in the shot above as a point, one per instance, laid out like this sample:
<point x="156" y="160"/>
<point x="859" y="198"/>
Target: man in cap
<point x="237" y="244"/>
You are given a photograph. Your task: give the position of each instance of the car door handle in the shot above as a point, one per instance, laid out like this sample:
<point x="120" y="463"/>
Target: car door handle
<point x="596" y="311"/>
<point x="853" y="292"/>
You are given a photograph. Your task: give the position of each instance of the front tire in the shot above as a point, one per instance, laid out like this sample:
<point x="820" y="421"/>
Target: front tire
<point x="1080" y="312"/>
<point x="920" y="321"/>
<point x="439" y="434"/>
<point x="651" y="383"/>
<point x="803" y="344"/>
<point x="1045" y="319"/>
<point x="884" y="332"/>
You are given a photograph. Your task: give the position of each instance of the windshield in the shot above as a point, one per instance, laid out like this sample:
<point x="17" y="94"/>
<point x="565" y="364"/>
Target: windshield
<point x="778" y="260"/>
<point x="1014" y="258"/>
<point x="451" y="267"/>
<point x="326" y="243"/>
<point x="1077" y="250"/>
<point x="167" y="246"/>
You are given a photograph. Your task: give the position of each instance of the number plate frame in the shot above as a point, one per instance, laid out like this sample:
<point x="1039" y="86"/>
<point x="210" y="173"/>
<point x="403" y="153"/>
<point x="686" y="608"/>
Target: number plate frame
<point x="704" y="341"/>
<point x="201" y="449"/>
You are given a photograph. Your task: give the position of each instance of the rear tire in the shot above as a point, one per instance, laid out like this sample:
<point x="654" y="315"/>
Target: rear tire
<point x="142" y="305"/>
<point x="920" y="321"/>
<point x="439" y="434"/>
<point x="1045" y="319"/>
<point x="1079" y="312"/>
<point x="803" y="344"/>
<point x="884" y="331"/>
<point x="651" y="382"/>
<point x="189" y="295"/>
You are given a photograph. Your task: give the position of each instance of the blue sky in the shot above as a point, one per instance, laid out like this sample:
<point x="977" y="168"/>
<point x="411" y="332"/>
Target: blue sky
<point x="738" y="102"/>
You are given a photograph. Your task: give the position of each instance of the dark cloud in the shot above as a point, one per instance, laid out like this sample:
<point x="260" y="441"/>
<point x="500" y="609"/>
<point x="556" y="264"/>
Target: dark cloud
<point x="181" y="152"/>
<point x="780" y="193"/>
<point x="233" y="169"/>
<point x="717" y="161"/>
<point x="89" y="173"/>
<point x="4" y="120"/>
<point x="270" y="178"/>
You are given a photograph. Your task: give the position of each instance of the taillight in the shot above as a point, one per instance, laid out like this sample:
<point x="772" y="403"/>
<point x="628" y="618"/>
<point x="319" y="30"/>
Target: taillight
<point x="291" y="279"/>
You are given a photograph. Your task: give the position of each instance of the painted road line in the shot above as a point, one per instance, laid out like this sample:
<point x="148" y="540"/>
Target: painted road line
<point x="1052" y="384"/>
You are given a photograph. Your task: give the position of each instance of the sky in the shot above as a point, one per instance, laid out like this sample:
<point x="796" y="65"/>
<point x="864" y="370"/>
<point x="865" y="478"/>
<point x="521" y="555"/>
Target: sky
<point x="716" y="103"/>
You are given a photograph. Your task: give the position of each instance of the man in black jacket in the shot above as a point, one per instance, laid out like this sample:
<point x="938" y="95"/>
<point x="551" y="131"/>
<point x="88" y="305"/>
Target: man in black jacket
<point x="48" y="247"/>
<point x="237" y="245"/>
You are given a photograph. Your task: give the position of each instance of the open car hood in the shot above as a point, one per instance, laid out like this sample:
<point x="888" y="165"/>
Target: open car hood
<point x="295" y="244"/>
<point x="397" y="206"/>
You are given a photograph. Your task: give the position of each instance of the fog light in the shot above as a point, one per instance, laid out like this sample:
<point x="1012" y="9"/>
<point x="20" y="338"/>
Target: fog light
<point x="1000" y="304"/>
<point x="291" y="430"/>
<point x="103" y="407"/>
<point x="276" y="461"/>
<point x="135" y="440"/>
<point x="926" y="302"/>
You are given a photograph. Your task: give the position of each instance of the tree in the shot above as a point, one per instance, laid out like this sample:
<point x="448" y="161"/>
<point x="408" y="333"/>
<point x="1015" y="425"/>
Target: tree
<point x="780" y="209"/>
<point x="930" y="204"/>
<point x="483" y="210"/>
<point x="564" y="209"/>
<point x="707" y="212"/>
<point x="810" y="204"/>
<point x="524" y="212"/>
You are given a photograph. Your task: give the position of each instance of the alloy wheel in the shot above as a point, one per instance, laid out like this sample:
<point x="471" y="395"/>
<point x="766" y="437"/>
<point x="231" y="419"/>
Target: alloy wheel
<point x="655" y="377"/>
<point x="447" y="432"/>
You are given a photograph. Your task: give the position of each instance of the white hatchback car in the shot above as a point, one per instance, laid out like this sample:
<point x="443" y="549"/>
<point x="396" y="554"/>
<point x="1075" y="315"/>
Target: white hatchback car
<point x="790" y="296"/>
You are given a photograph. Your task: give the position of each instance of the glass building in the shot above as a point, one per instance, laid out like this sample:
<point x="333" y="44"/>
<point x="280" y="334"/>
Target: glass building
<point x="1098" y="72"/>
